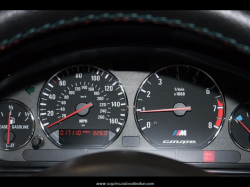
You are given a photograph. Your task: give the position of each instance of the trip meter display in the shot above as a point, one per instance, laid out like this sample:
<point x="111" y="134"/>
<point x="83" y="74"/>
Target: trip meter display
<point x="82" y="106"/>
<point x="179" y="107"/>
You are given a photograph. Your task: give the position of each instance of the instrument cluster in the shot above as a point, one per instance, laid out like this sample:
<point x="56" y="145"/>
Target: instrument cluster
<point x="183" y="111"/>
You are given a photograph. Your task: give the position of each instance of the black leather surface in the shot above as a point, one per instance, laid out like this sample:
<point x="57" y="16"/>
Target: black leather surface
<point x="122" y="163"/>
<point x="233" y="24"/>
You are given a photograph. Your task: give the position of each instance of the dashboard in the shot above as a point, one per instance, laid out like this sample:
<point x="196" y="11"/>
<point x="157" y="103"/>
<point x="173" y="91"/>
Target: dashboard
<point x="180" y="99"/>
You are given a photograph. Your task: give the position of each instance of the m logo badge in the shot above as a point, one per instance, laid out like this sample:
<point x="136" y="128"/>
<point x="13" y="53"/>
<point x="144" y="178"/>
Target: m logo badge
<point x="180" y="133"/>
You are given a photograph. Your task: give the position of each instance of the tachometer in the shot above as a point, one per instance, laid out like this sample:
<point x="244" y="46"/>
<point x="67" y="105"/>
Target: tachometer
<point x="82" y="106"/>
<point x="179" y="107"/>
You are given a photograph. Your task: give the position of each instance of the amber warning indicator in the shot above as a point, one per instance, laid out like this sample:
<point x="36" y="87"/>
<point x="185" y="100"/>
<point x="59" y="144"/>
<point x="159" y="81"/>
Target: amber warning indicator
<point x="208" y="156"/>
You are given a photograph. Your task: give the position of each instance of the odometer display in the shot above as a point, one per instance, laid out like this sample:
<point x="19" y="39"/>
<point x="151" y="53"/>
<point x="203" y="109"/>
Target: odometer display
<point x="179" y="107"/>
<point x="82" y="99"/>
<point x="84" y="137"/>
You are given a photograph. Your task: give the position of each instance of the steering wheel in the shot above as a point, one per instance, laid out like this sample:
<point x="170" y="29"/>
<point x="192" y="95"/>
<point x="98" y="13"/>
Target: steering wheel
<point x="20" y="29"/>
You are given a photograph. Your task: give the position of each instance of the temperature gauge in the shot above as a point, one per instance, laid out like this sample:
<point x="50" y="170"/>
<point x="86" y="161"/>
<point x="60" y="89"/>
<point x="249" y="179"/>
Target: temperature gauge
<point x="239" y="126"/>
<point x="16" y="125"/>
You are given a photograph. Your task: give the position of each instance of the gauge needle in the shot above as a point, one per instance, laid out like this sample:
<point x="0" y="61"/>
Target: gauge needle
<point x="244" y="126"/>
<point x="8" y="135"/>
<point x="85" y="107"/>
<point x="168" y="110"/>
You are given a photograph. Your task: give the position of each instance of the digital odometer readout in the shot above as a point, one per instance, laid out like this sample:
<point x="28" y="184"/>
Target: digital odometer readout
<point x="69" y="137"/>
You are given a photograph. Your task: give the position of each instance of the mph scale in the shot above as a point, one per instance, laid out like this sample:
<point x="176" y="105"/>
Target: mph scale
<point x="82" y="107"/>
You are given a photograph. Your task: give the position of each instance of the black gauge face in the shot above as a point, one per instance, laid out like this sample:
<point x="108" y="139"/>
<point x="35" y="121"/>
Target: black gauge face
<point x="16" y="125"/>
<point x="82" y="106"/>
<point x="179" y="107"/>
<point x="239" y="126"/>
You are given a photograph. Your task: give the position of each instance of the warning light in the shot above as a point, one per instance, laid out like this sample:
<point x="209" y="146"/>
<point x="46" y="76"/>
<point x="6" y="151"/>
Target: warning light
<point x="208" y="156"/>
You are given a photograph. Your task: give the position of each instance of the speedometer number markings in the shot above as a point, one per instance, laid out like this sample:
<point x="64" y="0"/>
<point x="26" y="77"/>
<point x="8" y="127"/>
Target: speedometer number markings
<point x="89" y="103"/>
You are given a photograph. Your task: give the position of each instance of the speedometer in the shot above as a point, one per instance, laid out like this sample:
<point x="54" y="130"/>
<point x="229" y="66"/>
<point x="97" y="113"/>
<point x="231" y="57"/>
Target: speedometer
<point x="82" y="107"/>
<point x="179" y="107"/>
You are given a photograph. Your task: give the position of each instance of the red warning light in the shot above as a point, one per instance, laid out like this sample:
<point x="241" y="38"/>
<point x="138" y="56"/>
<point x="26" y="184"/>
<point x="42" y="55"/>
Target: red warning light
<point x="208" y="156"/>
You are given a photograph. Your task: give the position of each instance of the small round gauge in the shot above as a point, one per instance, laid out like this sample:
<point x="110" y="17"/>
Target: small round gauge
<point x="16" y="124"/>
<point x="179" y="107"/>
<point x="82" y="107"/>
<point x="239" y="126"/>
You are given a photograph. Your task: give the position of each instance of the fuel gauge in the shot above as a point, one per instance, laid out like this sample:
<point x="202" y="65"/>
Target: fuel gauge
<point x="16" y="124"/>
<point x="239" y="126"/>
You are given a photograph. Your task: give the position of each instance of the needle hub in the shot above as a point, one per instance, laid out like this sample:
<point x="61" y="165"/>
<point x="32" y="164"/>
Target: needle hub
<point x="180" y="112"/>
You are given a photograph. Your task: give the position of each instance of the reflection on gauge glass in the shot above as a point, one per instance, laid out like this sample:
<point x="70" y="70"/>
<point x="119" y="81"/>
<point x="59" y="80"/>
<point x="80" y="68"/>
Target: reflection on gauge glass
<point x="239" y="126"/>
<point x="16" y="124"/>
<point x="179" y="107"/>
<point x="82" y="107"/>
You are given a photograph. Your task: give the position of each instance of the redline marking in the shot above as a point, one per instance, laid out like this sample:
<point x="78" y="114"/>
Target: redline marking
<point x="220" y="113"/>
<point x="54" y="81"/>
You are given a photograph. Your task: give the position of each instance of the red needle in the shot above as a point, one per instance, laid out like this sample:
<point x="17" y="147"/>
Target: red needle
<point x="244" y="126"/>
<point x="85" y="107"/>
<point x="168" y="110"/>
<point x="8" y="136"/>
